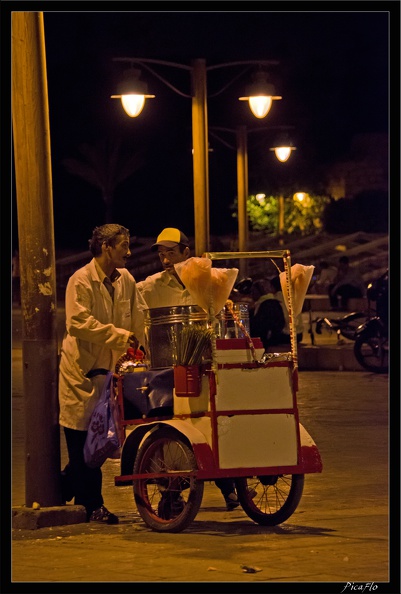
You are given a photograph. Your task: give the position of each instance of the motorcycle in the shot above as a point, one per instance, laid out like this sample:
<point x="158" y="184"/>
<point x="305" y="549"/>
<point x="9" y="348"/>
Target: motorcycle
<point x="368" y="330"/>
<point x="371" y="348"/>
<point x="345" y="326"/>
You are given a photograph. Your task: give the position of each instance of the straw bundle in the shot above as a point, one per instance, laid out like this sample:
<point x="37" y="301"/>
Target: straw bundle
<point x="192" y="344"/>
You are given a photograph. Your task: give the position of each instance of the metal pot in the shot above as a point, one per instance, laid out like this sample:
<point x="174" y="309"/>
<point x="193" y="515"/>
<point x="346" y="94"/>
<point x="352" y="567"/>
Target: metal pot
<point x="162" y="322"/>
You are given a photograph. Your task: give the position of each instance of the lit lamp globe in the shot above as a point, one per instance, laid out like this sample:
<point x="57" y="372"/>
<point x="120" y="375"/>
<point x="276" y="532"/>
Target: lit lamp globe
<point x="132" y="91"/>
<point x="260" y="95"/>
<point x="302" y="197"/>
<point x="283" y="148"/>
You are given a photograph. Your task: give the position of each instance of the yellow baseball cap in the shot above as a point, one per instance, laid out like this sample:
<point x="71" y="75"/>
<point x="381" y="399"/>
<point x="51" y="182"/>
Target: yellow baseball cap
<point x="170" y="237"/>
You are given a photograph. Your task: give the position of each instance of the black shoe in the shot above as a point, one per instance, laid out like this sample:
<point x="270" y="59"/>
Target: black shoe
<point x="103" y="516"/>
<point x="231" y="501"/>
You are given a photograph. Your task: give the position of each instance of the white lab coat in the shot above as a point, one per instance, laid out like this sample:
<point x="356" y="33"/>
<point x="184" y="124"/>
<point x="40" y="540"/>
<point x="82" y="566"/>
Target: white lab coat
<point x="164" y="290"/>
<point x="97" y="332"/>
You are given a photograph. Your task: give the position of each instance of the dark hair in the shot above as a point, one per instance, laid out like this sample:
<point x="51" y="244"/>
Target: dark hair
<point x="344" y="260"/>
<point x="275" y="283"/>
<point x="105" y="234"/>
<point x="259" y="288"/>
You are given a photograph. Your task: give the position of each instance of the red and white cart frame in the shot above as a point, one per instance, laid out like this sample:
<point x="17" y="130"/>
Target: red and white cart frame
<point x="235" y="417"/>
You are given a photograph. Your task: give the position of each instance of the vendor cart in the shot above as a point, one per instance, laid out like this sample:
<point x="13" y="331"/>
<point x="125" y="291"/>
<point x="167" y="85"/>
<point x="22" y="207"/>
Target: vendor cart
<point x="232" y="414"/>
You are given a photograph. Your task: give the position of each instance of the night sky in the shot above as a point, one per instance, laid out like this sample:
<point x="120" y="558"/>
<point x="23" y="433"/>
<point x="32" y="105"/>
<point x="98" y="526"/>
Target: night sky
<point x="332" y="75"/>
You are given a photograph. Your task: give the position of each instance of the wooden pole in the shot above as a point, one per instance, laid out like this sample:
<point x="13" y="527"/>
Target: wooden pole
<point x="30" y="118"/>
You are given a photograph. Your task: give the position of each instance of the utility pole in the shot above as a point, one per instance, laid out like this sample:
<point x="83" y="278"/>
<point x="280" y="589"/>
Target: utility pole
<point x="281" y="219"/>
<point x="200" y="157"/>
<point x="242" y="184"/>
<point x="32" y="157"/>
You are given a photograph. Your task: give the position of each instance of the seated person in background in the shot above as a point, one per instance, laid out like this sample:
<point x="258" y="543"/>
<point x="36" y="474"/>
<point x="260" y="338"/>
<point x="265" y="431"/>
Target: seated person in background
<point x="325" y="277"/>
<point x="347" y="283"/>
<point x="270" y="319"/>
<point x="241" y="292"/>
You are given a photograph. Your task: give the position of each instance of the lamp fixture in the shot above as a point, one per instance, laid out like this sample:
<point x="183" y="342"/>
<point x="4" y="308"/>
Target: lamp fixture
<point x="283" y="147"/>
<point x="132" y="91"/>
<point x="260" y="95"/>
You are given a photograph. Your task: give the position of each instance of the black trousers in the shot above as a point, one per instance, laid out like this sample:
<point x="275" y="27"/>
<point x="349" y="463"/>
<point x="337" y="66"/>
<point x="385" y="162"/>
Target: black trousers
<point x="226" y="486"/>
<point x="80" y="481"/>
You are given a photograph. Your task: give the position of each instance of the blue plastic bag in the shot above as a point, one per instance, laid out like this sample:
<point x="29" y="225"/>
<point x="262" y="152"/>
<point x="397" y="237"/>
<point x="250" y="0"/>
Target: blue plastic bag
<point x="103" y="434"/>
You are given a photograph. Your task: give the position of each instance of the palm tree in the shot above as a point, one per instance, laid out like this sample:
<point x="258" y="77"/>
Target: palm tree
<point x="105" y="165"/>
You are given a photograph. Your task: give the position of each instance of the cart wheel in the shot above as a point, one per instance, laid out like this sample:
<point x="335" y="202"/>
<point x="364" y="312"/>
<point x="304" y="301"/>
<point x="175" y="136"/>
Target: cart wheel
<point x="170" y="502"/>
<point x="270" y="500"/>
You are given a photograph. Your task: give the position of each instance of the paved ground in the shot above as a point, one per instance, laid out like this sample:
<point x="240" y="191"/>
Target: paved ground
<point x="336" y="541"/>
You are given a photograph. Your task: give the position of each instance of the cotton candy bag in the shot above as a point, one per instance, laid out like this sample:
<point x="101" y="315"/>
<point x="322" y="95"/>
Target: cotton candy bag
<point x="209" y="287"/>
<point x="300" y="278"/>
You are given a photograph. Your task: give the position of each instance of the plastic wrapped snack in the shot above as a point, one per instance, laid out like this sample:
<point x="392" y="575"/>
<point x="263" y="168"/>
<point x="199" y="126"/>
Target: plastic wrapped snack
<point x="300" y="278"/>
<point x="209" y="287"/>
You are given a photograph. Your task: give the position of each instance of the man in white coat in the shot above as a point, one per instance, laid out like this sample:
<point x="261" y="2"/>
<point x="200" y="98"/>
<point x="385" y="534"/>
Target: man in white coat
<point x="104" y="316"/>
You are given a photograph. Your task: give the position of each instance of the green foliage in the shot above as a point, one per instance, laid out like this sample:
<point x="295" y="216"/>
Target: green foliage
<point x="300" y="217"/>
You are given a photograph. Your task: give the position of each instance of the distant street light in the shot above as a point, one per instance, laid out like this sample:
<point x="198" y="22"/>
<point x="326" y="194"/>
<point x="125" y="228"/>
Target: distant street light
<point x="283" y="145"/>
<point x="302" y="197"/>
<point x="282" y="149"/>
<point x="133" y="93"/>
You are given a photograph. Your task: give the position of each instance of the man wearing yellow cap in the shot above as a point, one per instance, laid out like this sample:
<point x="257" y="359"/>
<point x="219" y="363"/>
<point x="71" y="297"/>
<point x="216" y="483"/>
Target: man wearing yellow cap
<point x="165" y="289"/>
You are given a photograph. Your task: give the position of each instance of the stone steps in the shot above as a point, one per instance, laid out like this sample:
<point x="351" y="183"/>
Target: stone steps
<point x="328" y="357"/>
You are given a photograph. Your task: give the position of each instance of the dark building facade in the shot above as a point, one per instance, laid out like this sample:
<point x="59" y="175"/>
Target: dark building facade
<point x="364" y="168"/>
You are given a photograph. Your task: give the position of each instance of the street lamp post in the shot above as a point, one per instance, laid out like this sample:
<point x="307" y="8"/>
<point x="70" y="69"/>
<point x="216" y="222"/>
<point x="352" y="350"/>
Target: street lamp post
<point x="282" y="148"/>
<point x="242" y="188"/>
<point x="264" y="94"/>
<point x="200" y="157"/>
<point x="281" y="220"/>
